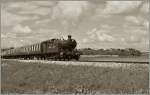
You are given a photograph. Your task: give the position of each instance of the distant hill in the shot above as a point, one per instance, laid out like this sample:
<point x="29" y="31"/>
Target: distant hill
<point x="145" y="53"/>
<point x="112" y="51"/>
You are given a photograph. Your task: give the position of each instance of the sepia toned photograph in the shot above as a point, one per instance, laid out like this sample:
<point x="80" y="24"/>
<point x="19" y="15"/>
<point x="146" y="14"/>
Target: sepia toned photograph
<point x="89" y="47"/>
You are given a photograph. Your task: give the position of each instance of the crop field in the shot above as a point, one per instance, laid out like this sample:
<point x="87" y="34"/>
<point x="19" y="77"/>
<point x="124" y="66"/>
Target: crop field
<point x="35" y="77"/>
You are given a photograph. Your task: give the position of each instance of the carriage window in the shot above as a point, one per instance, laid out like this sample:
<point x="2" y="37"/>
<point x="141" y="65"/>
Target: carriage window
<point x="32" y="48"/>
<point x="37" y="48"/>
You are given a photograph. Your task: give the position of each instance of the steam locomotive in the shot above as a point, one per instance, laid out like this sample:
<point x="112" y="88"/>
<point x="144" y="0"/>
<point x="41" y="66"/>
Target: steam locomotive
<point x="57" y="49"/>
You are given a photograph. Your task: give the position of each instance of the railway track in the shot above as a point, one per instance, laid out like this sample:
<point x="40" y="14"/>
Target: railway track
<point x="135" y="62"/>
<point x="102" y="61"/>
<point x="111" y="64"/>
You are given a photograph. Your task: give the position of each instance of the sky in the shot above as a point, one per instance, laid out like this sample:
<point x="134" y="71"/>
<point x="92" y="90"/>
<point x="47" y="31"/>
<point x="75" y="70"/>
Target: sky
<point x="93" y="24"/>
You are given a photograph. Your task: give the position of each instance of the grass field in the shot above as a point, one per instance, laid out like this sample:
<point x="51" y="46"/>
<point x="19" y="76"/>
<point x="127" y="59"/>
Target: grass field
<point x="114" y="58"/>
<point x="33" y="77"/>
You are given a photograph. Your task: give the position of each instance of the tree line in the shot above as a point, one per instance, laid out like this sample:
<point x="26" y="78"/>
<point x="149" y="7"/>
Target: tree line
<point x="112" y="51"/>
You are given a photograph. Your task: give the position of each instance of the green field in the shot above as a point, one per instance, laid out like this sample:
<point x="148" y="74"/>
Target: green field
<point x="51" y="78"/>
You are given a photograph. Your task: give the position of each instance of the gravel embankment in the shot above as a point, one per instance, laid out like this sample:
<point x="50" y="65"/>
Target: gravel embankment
<point x="97" y="64"/>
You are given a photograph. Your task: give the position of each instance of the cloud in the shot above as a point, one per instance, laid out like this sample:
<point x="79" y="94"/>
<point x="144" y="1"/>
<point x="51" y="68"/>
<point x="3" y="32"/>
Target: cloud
<point x="122" y="39"/>
<point x="28" y="8"/>
<point x="145" y="7"/>
<point x="22" y="6"/>
<point x="39" y="11"/>
<point x="85" y="40"/>
<point x="69" y="9"/>
<point x="44" y="3"/>
<point x="100" y="34"/>
<point x="104" y="36"/>
<point x="116" y="7"/>
<point x="3" y="36"/>
<point x="133" y="19"/>
<point x="106" y="26"/>
<point x="8" y="19"/>
<point x="135" y="36"/>
<point x="21" y="29"/>
<point x="11" y="19"/>
<point x="8" y="36"/>
<point x="134" y="39"/>
<point x="42" y="21"/>
<point x="146" y="24"/>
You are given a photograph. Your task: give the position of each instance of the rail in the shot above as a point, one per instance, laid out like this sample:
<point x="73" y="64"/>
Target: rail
<point x="135" y="62"/>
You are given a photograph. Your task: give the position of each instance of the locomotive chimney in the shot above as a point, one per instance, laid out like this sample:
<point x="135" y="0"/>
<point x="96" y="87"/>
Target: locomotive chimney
<point x="69" y="36"/>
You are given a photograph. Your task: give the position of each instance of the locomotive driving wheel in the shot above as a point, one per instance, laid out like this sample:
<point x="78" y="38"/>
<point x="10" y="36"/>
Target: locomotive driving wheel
<point x="68" y="57"/>
<point x="77" y="58"/>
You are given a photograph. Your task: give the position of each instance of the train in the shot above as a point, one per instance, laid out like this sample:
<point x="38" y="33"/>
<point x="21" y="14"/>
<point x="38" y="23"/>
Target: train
<point x="56" y="49"/>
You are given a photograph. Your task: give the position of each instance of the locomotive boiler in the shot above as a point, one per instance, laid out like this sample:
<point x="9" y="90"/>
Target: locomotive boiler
<point x="57" y="49"/>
